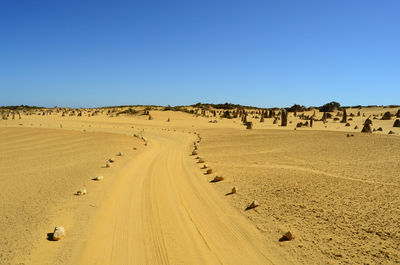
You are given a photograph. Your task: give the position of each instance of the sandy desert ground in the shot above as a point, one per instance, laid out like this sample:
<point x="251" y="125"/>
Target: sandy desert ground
<point x="156" y="205"/>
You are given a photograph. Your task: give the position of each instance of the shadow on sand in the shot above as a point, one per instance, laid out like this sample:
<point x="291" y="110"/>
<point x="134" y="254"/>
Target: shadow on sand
<point x="50" y="237"/>
<point x="250" y="207"/>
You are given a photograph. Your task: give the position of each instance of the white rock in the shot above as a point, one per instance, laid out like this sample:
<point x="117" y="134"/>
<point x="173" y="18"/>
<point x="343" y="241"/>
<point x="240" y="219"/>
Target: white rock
<point x="59" y="233"/>
<point x="120" y="154"/>
<point x="98" y="178"/>
<point x="81" y="192"/>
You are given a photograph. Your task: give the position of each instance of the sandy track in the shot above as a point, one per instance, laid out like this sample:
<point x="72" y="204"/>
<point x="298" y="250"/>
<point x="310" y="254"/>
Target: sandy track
<point x="163" y="211"/>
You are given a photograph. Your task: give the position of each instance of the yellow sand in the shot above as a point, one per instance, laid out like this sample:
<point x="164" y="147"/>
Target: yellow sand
<point x="41" y="169"/>
<point x="337" y="194"/>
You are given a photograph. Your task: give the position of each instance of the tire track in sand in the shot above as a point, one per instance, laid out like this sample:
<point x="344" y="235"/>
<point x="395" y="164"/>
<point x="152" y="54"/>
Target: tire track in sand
<point x="162" y="210"/>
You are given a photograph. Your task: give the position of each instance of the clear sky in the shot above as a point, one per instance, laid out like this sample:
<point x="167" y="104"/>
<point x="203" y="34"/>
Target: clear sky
<point x="250" y="52"/>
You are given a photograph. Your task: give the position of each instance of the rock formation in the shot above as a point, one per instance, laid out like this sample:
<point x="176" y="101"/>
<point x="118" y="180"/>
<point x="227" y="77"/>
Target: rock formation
<point x="367" y="128"/>
<point x="386" y="116"/>
<point x="249" y="125"/>
<point x="284" y="116"/>
<point x="368" y="121"/>
<point x="344" y="118"/>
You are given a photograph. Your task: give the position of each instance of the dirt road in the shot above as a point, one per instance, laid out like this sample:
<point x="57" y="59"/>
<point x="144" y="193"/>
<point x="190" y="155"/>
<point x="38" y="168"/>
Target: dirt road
<point x="163" y="211"/>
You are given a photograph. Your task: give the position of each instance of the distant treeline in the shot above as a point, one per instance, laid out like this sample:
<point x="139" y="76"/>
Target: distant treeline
<point x="222" y="106"/>
<point x="127" y="106"/>
<point x="333" y="106"/>
<point x="328" y="107"/>
<point x="20" y="107"/>
<point x="371" y="106"/>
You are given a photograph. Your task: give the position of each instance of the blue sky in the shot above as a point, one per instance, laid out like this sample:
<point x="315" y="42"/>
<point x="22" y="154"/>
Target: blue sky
<point x="262" y="53"/>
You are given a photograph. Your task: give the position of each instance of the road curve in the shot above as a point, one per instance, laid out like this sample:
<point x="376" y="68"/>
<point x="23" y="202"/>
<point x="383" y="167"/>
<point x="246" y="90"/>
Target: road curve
<point x="162" y="210"/>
